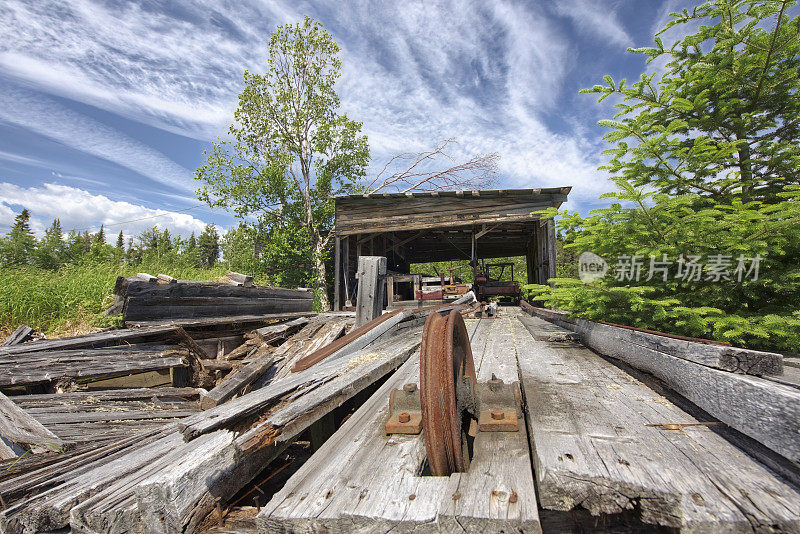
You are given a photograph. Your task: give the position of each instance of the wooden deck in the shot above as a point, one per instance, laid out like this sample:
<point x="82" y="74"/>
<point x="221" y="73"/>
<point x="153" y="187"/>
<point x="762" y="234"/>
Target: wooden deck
<point x="594" y="441"/>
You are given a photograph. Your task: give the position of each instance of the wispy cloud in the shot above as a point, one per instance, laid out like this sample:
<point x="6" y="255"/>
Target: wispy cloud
<point x="79" y="209"/>
<point x="597" y="18"/>
<point x="48" y="118"/>
<point x="414" y="73"/>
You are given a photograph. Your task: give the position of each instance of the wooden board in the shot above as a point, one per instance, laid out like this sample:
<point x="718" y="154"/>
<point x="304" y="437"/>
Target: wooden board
<point x="362" y="479"/>
<point x="41" y="367"/>
<point x="20" y="431"/>
<point x="592" y="448"/>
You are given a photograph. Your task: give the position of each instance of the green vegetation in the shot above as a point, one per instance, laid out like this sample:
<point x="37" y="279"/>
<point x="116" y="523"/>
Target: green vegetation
<point x="706" y="159"/>
<point x="293" y="149"/>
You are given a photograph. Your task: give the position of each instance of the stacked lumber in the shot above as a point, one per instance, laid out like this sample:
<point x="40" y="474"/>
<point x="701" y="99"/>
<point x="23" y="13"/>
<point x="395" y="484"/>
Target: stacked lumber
<point x="151" y="299"/>
<point x="95" y="417"/>
<point x="605" y="441"/>
<point x="717" y="378"/>
<point x="170" y="478"/>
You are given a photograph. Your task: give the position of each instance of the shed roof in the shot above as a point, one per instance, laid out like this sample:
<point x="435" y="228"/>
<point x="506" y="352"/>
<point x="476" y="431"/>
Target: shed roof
<point x="392" y="212"/>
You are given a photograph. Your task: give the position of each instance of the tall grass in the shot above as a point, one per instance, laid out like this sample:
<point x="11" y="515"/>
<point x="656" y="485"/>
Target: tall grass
<point x="72" y="299"/>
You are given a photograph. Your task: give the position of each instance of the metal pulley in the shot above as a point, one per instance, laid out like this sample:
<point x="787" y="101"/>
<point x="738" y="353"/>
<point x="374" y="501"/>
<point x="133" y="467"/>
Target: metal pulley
<point x="450" y="404"/>
<point x="447" y="385"/>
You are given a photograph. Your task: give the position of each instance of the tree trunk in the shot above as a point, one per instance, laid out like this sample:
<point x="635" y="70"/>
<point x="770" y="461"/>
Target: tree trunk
<point x="320" y="278"/>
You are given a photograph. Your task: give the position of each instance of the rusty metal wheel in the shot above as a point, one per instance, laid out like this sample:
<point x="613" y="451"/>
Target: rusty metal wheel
<point x="447" y="382"/>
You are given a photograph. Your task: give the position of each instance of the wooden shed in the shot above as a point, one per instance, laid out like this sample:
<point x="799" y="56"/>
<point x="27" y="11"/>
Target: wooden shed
<point x="442" y="226"/>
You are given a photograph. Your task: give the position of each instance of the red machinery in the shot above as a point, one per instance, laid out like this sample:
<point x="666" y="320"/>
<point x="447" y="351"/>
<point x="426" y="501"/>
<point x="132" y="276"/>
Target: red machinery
<point x="488" y="287"/>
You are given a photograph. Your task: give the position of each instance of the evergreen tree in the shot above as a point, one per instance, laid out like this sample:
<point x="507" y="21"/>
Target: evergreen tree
<point x="20" y="243"/>
<point x="51" y="252"/>
<point x="100" y="237"/>
<point x="208" y="246"/>
<point x="120" y="241"/>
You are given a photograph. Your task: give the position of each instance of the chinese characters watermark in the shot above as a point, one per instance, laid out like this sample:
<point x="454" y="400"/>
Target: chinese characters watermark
<point x="689" y="268"/>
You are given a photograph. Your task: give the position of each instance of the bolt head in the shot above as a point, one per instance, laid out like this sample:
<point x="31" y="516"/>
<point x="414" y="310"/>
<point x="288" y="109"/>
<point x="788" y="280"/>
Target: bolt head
<point x="404" y="417"/>
<point x="498" y="414"/>
<point x="410" y="388"/>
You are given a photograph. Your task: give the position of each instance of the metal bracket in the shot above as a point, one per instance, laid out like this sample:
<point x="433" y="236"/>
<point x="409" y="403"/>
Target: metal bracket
<point x="405" y="411"/>
<point x="498" y="407"/>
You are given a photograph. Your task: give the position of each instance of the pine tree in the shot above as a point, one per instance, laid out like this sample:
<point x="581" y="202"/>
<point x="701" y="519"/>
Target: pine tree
<point x="120" y="241"/>
<point x="100" y="237"/>
<point x="51" y="252"/>
<point x="20" y="242"/>
<point x="208" y="245"/>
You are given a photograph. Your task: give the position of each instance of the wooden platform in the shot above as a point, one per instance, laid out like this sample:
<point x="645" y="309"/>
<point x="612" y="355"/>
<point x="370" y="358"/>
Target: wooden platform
<point x="602" y="443"/>
<point x="364" y="480"/>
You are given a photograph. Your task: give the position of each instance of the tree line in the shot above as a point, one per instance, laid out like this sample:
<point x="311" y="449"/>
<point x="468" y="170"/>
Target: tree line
<point x="20" y="247"/>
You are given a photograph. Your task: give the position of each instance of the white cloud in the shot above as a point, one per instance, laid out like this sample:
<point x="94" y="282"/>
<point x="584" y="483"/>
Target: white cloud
<point x="414" y="73"/>
<point x="597" y="18"/>
<point x="79" y="209"/>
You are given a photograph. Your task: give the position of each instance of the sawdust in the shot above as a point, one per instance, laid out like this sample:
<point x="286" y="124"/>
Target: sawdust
<point x="358" y="361"/>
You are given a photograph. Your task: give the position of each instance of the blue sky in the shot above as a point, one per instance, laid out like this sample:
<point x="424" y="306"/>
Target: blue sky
<point x="106" y="107"/>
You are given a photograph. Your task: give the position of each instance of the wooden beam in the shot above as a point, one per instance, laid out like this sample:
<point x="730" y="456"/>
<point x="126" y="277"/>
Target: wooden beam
<point x="236" y="382"/>
<point x="337" y="274"/>
<point x="20" y="335"/>
<point x="20" y="432"/>
<point x="598" y="443"/>
<point x="371" y="288"/>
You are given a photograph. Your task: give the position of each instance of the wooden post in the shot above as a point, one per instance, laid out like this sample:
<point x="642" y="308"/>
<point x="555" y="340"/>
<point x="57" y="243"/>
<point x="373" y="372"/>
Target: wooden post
<point x="337" y="277"/>
<point x="346" y="254"/>
<point x="551" y="248"/>
<point x="389" y="291"/>
<point x="371" y="273"/>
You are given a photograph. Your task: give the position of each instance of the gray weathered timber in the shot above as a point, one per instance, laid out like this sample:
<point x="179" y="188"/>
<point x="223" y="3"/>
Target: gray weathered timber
<point x="22" y="432"/>
<point x="762" y="409"/>
<point x="101" y="339"/>
<point x="235" y="382"/>
<point x="93" y="417"/>
<point x="52" y="493"/>
<point x="177" y="498"/>
<point x="363" y="480"/>
<point x="20" y="335"/>
<point x="258" y="400"/>
<point x="167" y="278"/>
<point x="272" y="332"/>
<point x="732" y="359"/>
<point x="137" y="308"/>
<point x="592" y="448"/>
<point x="327" y="333"/>
<point x="230" y="324"/>
<point x="714" y="355"/>
<point x="131" y="287"/>
<point x="42" y="367"/>
<point x="371" y="288"/>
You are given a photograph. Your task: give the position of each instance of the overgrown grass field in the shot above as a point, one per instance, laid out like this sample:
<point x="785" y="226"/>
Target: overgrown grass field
<point x="70" y="301"/>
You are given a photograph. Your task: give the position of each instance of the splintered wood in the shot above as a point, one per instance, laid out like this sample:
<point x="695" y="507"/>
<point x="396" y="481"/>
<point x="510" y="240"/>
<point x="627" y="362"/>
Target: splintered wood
<point x="594" y="447"/>
<point x="362" y="479"/>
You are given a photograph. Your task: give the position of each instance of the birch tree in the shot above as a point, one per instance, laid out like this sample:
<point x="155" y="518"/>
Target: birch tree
<point x="291" y="147"/>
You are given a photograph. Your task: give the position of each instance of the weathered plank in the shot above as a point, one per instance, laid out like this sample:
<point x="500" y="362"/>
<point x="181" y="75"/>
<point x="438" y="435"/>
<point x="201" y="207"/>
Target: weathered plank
<point x="100" y="339"/>
<point x="235" y="383"/>
<point x="762" y="409"/>
<point x="21" y="432"/>
<point x="20" y="335"/>
<point x="178" y="495"/>
<point x="716" y="355"/>
<point x="592" y="448"/>
<point x="363" y="480"/>
<point x="371" y="288"/>
<point x="241" y="279"/>
<point x="139" y="308"/>
<point x="131" y="287"/>
<point x="41" y="367"/>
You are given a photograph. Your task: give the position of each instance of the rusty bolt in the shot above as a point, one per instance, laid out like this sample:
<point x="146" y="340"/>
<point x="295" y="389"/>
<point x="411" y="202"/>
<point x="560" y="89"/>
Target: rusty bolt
<point x="404" y="417"/>
<point x="513" y="497"/>
<point x="495" y="383"/>
<point x="498" y="414"/>
<point x="412" y="497"/>
<point x="410" y="388"/>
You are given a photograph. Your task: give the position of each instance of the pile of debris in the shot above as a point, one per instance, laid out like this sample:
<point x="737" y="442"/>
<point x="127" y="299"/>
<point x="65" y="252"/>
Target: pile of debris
<point x="156" y="428"/>
<point x="147" y="299"/>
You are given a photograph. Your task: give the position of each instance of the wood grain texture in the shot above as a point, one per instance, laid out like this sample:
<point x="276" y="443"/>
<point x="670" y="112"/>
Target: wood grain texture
<point x="592" y="448"/>
<point x="362" y="480"/>
<point x="21" y="432"/>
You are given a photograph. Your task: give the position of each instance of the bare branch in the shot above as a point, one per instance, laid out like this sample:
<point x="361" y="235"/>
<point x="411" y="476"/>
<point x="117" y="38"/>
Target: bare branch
<point x="424" y="171"/>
